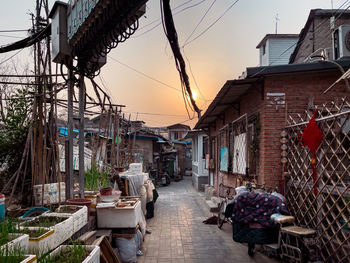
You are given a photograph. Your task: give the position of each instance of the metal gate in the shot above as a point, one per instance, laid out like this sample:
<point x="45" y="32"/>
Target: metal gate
<point x="328" y="211"/>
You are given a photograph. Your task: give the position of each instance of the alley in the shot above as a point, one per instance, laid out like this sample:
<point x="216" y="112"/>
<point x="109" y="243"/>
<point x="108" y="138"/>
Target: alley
<point x="178" y="234"/>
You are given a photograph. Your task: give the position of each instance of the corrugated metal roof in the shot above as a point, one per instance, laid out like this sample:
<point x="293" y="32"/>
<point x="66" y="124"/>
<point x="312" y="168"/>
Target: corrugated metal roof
<point x="229" y="93"/>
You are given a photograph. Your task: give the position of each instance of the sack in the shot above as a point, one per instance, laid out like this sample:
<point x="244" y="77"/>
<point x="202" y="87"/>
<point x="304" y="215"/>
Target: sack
<point x="143" y="195"/>
<point x="155" y="195"/>
<point x="127" y="249"/>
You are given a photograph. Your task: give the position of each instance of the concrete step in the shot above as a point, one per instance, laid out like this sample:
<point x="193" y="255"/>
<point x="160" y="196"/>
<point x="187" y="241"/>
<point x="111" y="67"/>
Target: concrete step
<point x="213" y="207"/>
<point x="217" y="200"/>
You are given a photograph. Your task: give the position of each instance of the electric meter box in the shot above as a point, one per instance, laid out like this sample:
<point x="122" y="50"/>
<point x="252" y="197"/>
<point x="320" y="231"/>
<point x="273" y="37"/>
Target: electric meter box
<point x="60" y="46"/>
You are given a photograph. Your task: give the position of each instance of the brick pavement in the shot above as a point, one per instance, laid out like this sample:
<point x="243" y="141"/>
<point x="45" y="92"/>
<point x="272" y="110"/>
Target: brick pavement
<point x="178" y="234"/>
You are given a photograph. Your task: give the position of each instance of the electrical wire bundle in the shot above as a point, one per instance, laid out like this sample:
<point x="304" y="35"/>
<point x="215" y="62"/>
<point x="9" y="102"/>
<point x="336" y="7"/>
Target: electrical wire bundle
<point x="170" y="32"/>
<point x="115" y="25"/>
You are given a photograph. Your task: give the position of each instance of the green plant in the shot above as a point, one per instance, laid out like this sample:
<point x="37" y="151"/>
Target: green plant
<point x="95" y="180"/>
<point x="75" y="253"/>
<point x="13" y="255"/>
<point x="34" y="233"/>
<point x="45" y="221"/>
<point x="68" y="209"/>
<point x="15" y="118"/>
<point x="6" y="228"/>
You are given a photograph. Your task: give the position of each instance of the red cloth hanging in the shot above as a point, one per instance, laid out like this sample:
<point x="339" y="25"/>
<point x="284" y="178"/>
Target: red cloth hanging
<point x="312" y="137"/>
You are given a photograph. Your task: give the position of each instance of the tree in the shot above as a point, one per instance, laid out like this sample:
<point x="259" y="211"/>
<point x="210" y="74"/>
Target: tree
<point x="15" y="119"/>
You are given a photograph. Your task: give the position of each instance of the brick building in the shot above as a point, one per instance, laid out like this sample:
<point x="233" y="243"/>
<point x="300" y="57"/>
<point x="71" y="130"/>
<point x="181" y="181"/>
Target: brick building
<point x="317" y="33"/>
<point x="245" y="120"/>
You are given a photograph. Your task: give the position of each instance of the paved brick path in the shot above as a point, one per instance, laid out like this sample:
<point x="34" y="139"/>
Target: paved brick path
<point x="178" y="234"/>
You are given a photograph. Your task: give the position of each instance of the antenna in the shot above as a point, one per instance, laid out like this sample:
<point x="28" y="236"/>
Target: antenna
<point x="276" y="19"/>
<point x="332" y="3"/>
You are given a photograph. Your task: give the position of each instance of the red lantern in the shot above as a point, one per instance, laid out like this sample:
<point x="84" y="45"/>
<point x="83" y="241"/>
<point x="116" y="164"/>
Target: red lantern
<point x="312" y="138"/>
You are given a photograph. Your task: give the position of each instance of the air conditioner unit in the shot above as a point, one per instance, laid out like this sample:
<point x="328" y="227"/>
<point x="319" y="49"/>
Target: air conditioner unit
<point x="341" y="42"/>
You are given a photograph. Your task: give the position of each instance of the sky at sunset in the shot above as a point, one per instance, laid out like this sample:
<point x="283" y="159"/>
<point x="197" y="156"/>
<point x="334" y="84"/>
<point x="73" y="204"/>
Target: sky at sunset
<point x="221" y="53"/>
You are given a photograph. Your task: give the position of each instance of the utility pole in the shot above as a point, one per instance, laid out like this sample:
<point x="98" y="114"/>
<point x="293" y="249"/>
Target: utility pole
<point x="44" y="156"/>
<point x="82" y="91"/>
<point x="69" y="138"/>
<point x="118" y="134"/>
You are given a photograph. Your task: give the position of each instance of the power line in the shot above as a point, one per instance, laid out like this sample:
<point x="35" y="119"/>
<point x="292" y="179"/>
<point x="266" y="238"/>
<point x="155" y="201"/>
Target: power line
<point x="27" y="41"/>
<point x="144" y="74"/>
<point x="2" y="62"/>
<point x="150" y="77"/>
<point x="140" y="28"/>
<point x="194" y="79"/>
<point x="200" y="21"/>
<point x="182" y="10"/>
<point x="14" y="30"/>
<point x="11" y="36"/>
<point x="212" y="24"/>
<point x="155" y="114"/>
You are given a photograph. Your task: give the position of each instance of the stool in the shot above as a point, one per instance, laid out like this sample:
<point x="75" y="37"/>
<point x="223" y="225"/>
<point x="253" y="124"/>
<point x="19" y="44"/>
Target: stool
<point x="292" y="242"/>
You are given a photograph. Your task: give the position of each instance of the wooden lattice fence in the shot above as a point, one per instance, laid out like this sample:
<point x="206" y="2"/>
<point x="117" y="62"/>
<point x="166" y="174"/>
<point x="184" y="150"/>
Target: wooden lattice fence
<point x="328" y="211"/>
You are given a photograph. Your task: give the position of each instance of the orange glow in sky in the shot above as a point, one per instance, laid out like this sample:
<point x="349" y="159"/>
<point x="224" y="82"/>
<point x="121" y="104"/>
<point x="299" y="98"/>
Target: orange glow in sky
<point x="222" y="51"/>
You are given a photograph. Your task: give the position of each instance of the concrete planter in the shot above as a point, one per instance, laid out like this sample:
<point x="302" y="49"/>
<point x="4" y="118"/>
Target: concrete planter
<point x="80" y="217"/>
<point x="55" y="236"/>
<point x="27" y="259"/>
<point x="42" y="244"/>
<point x="63" y="230"/>
<point x="20" y="241"/>
<point x="93" y="257"/>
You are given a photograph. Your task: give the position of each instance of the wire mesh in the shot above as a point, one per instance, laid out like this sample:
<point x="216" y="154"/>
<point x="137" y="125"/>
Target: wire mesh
<point x="328" y="211"/>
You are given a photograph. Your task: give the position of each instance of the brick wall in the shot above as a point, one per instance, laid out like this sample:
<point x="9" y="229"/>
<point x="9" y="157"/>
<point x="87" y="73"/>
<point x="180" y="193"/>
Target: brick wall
<point x="299" y="89"/>
<point x="319" y="35"/>
<point x="250" y="103"/>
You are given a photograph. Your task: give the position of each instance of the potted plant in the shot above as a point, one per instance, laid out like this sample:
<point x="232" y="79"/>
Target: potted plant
<point x="16" y="255"/>
<point x="62" y="226"/>
<point x="73" y="253"/>
<point x="94" y="181"/>
<point x="79" y="214"/>
<point x="10" y="238"/>
<point x="40" y="239"/>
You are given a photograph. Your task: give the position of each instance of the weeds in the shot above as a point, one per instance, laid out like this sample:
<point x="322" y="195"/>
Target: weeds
<point x="13" y="255"/>
<point x="68" y="209"/>
<point x="34" y="233"/>
<point x="95" y="180"/>
<point x="6" y="228"/>
<point x="74" y="253"/>
<point x="45" y="221"/>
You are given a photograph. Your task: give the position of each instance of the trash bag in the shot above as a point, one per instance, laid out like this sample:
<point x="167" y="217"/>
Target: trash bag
<point x="127" y="249"/>
<point x="155" y="195"/>
<point x="150" y="210"/>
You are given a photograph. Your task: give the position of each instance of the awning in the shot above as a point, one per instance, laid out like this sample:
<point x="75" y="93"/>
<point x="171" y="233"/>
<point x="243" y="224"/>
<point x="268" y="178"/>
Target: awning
<point x="227" y="96"/>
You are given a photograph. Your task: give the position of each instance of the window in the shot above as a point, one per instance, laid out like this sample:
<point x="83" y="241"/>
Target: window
<point x="224" y="148"/>
<point x="264" y="49"/>
<point x="205" y="147"/>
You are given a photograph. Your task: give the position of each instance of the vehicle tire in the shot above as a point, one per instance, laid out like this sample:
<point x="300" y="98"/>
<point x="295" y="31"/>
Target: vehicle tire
<point x="221" y="214"/>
